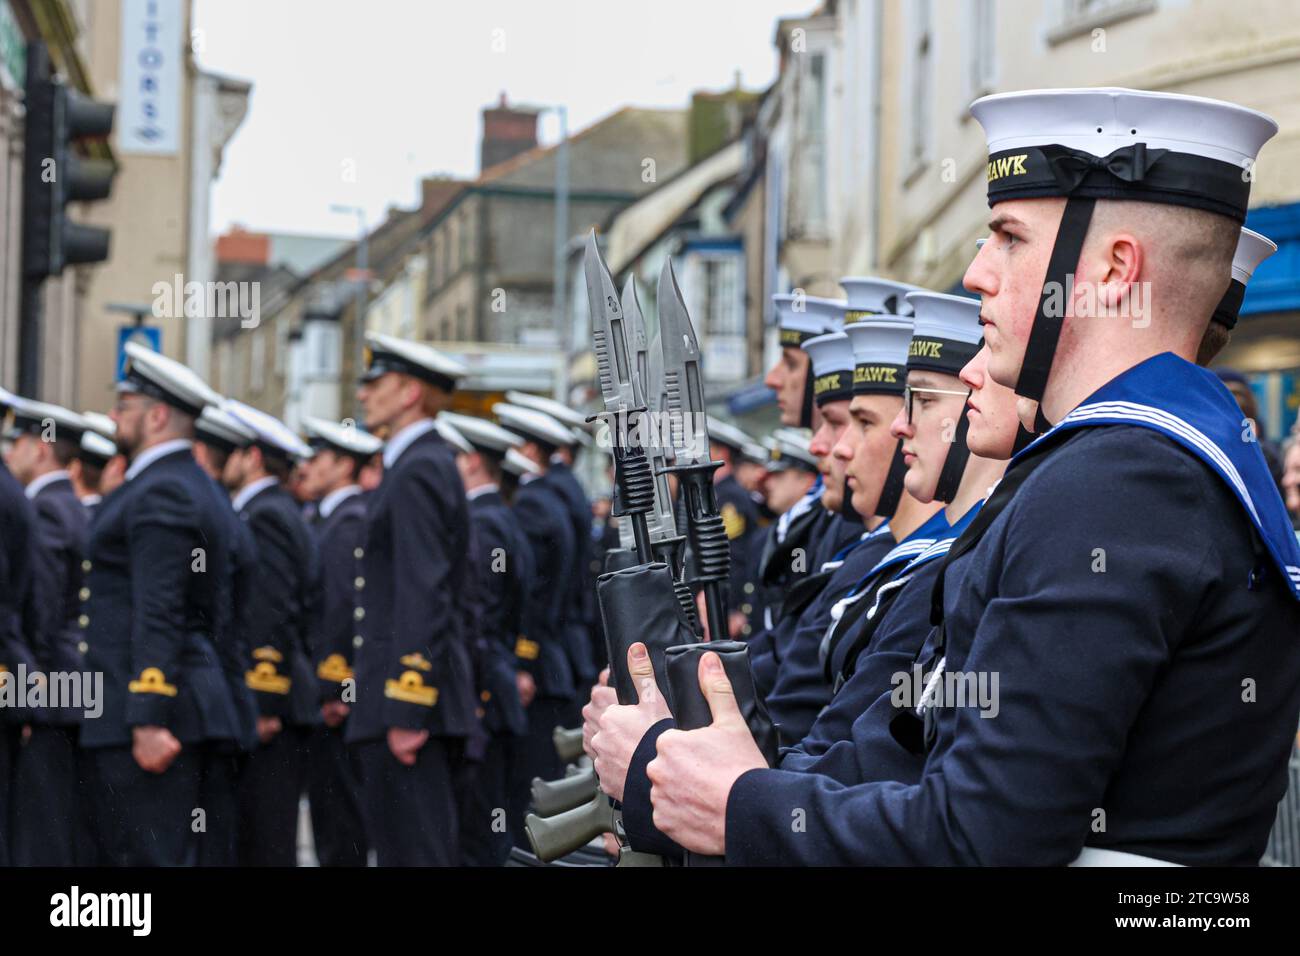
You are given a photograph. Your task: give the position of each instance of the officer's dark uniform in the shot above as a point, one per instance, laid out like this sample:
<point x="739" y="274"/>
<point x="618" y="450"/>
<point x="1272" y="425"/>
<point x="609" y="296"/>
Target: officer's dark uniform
<point x="335" y="776"/>
<point x="159" y="549"/>
<point x="47" y="806"/>
<point x="740" y="520"/>
<point x="541" y="648"/>
<point x="579" y="606"/>
<point x="274" y="774"/>
<point x="503" y="580"/>
<point x="412" y="664"/>
<point x="16" y="560"/>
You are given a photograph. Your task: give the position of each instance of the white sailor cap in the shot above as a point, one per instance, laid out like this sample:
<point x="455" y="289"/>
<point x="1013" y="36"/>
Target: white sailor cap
<point x="557" y="410"/>
<point x="6" y="397"/>
<point x="533" y="424"/>
<point x="452" y="435"/>
<point x="1252" y="249"/>
<point x="96" y="449"/>
<point x="1111" y="143"/>
<point x="271" y="435"/>
<point x="482" y="434"/>
<point x="346" y="439"/>
<point x="41" y="418"/>
<point x="946" y="332"/>
<point x="517" y="465"/>
<point x="387" y="353"/>
<point x="798" y="321"/>
<point x="756" y="453"/>
<point x="832" y="367"/>
<point x="101" y="423"/>
<point x="791" y="448"/>
<point x="154" y="374"/>
<point x="727" y="435"/>
<point x="880" y="344"/>
<point x="219" y="428"/>
<point x="869" y="295"/>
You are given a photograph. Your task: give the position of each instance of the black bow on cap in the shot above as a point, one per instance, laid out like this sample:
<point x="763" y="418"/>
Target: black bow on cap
<point x="1129" y="163"/>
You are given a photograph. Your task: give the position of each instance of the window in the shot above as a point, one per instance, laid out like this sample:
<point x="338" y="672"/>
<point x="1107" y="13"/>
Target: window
<point x="321" y="350"/>
<point x="1081" y="17"/>
<point x="981" y="48"/>
<point x="281" y="346"/>
<point x="920" y="90"/>
<point x="257" y="364"/>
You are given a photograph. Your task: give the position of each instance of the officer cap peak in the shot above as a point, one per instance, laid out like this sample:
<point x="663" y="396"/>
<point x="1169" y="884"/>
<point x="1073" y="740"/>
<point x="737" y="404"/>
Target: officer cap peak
<point x="345" y="437"/>
<point x="518" y="465"/>
<point x="557" y="410"/>
<point x="154" y="374"/>
<point x="727" y="435"/>
<point x="215" y="423"/>
<point x="101" y="423"/>
<point x="533" y="424"/>
<point x="387" y="353"/>
<point x="271" y="434"/>
<point x="34" y="416"/>
<point x="790" y="448"/>
<point x="481" y="434"/>
<point x="96" y="449"/>
<point x="452" y="435"/>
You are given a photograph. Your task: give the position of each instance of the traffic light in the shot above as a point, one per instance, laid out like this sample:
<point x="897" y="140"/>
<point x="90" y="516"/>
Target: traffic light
<point x="54" y="174"/>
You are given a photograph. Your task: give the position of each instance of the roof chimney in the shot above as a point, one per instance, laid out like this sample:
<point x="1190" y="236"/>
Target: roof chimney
<point x="507" y="132"/>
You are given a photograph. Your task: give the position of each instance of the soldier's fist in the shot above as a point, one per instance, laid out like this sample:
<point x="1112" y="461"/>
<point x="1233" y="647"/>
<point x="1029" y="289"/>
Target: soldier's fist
<point x="154" y="748"/>
<point x="620" y="728"/>
<point x="602" y="697"/>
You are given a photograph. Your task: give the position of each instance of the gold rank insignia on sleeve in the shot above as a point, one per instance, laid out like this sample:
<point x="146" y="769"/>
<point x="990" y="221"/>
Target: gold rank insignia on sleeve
<point x="267" y="653"/>
<point x="152" y="681"/>
<point x="264" y="678"/>
<point x="418" y="661"/>
<point x="410" y="687"/>
<point x="334" y="668"/>
<point x="733" y="522"/>
<point x="526" y="649"/>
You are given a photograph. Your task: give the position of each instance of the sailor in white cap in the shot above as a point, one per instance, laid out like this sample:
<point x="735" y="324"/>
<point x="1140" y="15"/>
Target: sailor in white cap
<point x="97" y="469"/>
<point x="580" y="608"/>
<point x="155" y="603"/>
<point x="278" y="669"/>
<point x="545" y="652"/>
<point x="503" y="578"/>
<point x="44" y="442"/>
<point x="330" y="478"/>
<point x="416" y="698"/>
<point x="1136" y="541"/>
<point x="791" y="469"/>
<point x="790" y="378"/>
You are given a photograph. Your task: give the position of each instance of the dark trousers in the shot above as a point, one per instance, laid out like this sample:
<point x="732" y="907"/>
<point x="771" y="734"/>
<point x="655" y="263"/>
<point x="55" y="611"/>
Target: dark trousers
<point x="219" y="798"/>
<point x="410" y="812"/>
<point x="484" y="816"/>
<point x="142" y="818"/>
<point x="334" y="791"/>
<point x="8" y="744"/>
<point x="270" y="787"/>
<point x="535" y="756"/>
<point x="46" y="802"/>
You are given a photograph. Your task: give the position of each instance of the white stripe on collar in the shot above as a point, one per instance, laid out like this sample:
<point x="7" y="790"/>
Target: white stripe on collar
<point x="403" y="439"/>
<point x="49" y="478"/>
<point x="247" y="493"/>
<point x="151" y="454"/>
<point x="336" y="498"/>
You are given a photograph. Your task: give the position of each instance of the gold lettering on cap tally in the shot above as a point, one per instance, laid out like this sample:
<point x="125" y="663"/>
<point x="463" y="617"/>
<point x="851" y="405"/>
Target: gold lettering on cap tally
<point x="827" y="383"/>
<point x="879" y="374"/>
<point x="1004" y="166"/>
<point x="925" y="348"/>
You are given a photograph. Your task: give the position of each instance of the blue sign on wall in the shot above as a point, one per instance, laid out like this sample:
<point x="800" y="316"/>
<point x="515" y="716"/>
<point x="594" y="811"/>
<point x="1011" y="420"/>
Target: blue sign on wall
<point x="147" y="335"/>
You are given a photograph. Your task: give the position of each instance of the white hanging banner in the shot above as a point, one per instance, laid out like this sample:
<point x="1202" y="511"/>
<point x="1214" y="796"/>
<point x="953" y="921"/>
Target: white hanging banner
<point x="150" y="78"/>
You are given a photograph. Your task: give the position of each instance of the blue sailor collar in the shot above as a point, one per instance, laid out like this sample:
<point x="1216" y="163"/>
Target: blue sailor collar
<point x="805" y="504"/>
<point x="911" y="546"/>
<point x="944" y="542"/>
<point x="853" y="545"/>
<point x="1191" y="406"/>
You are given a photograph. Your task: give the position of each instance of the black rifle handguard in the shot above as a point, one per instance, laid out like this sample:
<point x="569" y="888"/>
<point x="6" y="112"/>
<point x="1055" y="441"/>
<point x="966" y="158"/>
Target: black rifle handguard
<point x="640" y="604"/>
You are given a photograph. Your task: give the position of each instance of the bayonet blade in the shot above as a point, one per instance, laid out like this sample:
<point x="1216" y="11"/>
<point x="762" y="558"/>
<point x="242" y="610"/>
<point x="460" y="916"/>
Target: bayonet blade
<point x="618" y="386"/>
<point x="648" y="362"/>
<point x="684" y="410"/>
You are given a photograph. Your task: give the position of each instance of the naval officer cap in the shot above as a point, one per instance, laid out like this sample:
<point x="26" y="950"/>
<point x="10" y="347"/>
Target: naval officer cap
<point x="946" y="332"/>
<point x="832" y="367"/>
<point x="727" y="435"/>
<point x="755" y="453"/>
<point x="151" y="373"/>
<point x="800" y="317"/>
<point x="516" y="464"/>
<point x="325" y="435"/>
<point x="1252" y="249"/>
<point x="880" y="345"/>
<point x="45" y="420"/>
<point x="95" y="450"/>
<point x="6" y="399"/>
<point x="272" y="436"/>
<point x="869" y="295"/>
<point x="481" y="434"/>
<point x="549" y="406"/>
<point x="101" y="423"/>
<point x="533" y="425"/>
<point x="220" y="429"/>
<point x="386" y="353"/>
<point x="790" y="448"/>
<point x="452" y="435"/>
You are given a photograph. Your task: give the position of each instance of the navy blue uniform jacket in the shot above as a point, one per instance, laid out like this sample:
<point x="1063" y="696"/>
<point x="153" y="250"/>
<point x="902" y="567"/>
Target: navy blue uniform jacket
<point x="541" y="650"/>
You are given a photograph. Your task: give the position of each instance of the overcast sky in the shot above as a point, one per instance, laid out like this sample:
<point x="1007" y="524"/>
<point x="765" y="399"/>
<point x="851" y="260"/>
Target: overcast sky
<point x="354" y="100"/>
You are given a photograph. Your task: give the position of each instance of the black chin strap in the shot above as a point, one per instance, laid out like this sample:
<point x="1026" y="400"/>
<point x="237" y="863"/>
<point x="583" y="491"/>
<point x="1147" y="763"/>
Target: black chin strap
<point x="892" y="491"/>
<point x="1043" y="337"/>
<point x="1024" y="437"/>
<point x="954" y="466"/>
<point x="847" y="511"/>
<point x="805" y="412"/>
